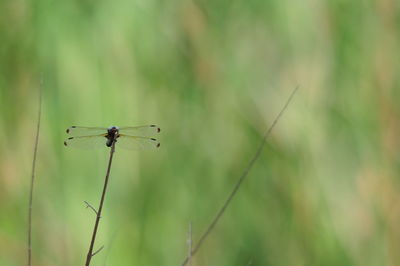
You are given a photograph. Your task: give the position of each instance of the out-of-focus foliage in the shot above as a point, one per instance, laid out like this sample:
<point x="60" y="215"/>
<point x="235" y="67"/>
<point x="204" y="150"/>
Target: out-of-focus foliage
<point x="212" y="74"/>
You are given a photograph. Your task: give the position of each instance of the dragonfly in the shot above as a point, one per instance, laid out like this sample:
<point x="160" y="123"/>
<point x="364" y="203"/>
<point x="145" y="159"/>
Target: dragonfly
<point x="131" y="138"/>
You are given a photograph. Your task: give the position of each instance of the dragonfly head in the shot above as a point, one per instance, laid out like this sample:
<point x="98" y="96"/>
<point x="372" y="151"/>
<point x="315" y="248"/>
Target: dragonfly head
<point x="113" y="129"/>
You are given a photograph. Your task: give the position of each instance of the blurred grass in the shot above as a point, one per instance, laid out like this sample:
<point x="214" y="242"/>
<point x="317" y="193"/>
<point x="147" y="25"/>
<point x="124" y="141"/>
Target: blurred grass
<point x="212" y="74"/>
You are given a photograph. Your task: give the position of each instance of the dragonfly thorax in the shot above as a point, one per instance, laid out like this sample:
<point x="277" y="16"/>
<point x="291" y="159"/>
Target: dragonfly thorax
<point x="112" y="135"/>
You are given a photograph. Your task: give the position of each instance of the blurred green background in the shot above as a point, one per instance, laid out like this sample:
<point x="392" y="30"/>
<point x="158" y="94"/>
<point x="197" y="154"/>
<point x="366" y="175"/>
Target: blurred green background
<point x="212" y="74"/>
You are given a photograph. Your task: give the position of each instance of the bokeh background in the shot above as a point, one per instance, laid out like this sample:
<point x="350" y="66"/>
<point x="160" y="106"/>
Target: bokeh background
<point x="212" y="74"/>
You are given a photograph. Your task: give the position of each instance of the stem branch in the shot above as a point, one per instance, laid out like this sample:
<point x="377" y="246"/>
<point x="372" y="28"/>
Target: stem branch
<point x="90" y="206"/>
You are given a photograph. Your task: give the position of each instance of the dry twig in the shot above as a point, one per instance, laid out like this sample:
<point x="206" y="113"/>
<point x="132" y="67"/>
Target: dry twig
<point x="96" y="225"/>
<point x="239" y="182"/>
<point x="30" y="204"/>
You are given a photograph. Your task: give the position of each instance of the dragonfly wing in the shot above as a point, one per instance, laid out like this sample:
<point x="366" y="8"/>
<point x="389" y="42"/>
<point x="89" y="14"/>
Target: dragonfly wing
<point x="148" y="130"/>
<point x="85" y="131"/>
<point x="136" y="143"/>
<point x="87" y="142"/>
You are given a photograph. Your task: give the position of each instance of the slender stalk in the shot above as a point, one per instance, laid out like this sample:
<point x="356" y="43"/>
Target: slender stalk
<point x="98" y="216"/>
<point x="30" y="204"/>
<point x="109" y="246"/>
<point x="190" y="243"/>
<point x="240" y="180"/>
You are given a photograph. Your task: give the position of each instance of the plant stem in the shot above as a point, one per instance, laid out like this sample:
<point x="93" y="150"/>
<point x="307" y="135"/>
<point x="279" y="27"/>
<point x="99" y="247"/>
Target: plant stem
<point x="245" y="173"/>
<point x="96" y="225"/>
<point x="190" y="242"/>
<point x="30" y="204"/>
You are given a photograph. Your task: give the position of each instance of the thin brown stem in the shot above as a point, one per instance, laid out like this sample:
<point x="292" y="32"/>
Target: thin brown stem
<point x="240" y="180"/>
<point x="109" y="246"/>
<point x="190" y="243"/>
<point x="96" y="225"/>
<point x="30" y="204"/>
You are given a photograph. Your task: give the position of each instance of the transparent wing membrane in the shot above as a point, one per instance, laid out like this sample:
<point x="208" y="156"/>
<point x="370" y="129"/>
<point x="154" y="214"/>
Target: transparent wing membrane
<point x="87" y="142"/>
<point x="148" y="130"/>
<point x="136" y="143"/>
<point x="86" y="131"/>
<point x="131" y="138"/>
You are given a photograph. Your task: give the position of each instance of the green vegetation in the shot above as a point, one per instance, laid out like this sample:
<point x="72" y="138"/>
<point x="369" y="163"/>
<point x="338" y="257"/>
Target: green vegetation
<point x="213" y="74"/>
